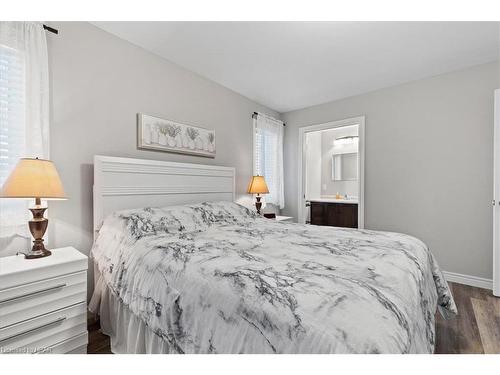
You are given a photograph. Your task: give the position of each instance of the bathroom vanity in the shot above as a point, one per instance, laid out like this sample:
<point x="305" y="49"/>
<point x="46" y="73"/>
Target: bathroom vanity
<point x="334" y="212"/>
<point x="333" y="178"/>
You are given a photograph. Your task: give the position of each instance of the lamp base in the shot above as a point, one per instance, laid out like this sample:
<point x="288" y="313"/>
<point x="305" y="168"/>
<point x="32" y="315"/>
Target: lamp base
<point x="258" y="204"/>
<point x="38" y="226"/>
<point x="37" y="254"/>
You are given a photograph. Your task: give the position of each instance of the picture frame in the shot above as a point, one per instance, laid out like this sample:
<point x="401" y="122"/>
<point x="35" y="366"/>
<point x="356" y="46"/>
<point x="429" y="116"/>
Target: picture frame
<point x="158" y="134"/>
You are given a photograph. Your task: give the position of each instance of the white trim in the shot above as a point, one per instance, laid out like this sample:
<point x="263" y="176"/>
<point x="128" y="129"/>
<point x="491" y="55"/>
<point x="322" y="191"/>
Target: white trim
<point x="496" y="195"/>
<point x="253" y="146"/>
<point x="360" y="121"/>
<point x="476" y="281"/>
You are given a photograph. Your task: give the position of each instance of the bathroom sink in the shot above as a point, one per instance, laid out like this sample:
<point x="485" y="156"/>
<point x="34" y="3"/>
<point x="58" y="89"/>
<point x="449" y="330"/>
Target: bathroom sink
<point x="335" y="200"/>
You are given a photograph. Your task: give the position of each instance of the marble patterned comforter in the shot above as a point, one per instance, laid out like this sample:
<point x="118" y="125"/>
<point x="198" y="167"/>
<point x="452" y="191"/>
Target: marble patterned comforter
<point x="215" y="278"/>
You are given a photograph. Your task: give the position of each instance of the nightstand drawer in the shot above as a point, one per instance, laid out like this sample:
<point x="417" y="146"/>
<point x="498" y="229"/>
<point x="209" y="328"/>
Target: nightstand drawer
<point x="15" y="270"/>
<point x="34" y="299"/>
<point x="43" y="332"/>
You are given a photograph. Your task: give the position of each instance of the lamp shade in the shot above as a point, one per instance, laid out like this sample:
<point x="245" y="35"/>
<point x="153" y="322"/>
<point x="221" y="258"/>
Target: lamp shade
<point x="33" y="178"/>
<point x="257" y="185"/>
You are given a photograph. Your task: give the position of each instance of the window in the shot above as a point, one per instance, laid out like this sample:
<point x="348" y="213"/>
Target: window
<point x="268" y="156"/>
<point x="24" y="118"/>
<point x="12" y="129"/>
<point x="12" y="133"/>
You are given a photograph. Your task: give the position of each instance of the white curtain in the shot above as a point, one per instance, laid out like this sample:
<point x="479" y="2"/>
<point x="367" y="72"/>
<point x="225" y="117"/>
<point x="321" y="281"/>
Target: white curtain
<point x="24" y="116"/>
<point x="268" y="156"/>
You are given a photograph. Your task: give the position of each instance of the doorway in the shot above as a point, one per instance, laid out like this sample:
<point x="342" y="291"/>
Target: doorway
<point x="331" y="168"/>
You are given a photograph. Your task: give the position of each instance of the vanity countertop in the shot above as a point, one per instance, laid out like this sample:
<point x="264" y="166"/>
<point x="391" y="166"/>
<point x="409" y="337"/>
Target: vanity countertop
<point x="334" y="200"/>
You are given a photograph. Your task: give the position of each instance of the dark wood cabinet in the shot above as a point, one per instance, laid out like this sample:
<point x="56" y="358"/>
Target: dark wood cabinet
<point x="334" y="214"/>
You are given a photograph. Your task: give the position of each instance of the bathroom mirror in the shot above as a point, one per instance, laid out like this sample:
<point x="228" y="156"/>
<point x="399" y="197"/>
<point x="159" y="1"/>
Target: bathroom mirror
<point x="345" y="167"/>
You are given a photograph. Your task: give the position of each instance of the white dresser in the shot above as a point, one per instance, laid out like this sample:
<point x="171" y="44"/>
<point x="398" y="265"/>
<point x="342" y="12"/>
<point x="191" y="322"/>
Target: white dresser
<point x="43" y="303"/>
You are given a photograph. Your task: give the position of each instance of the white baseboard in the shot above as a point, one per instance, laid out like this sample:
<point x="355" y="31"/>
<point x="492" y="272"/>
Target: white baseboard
<point x="479" y="282"/>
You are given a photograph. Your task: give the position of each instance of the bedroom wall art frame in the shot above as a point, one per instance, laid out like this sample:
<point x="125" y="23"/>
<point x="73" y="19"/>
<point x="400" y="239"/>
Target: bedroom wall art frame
<point x="154" y="133"/>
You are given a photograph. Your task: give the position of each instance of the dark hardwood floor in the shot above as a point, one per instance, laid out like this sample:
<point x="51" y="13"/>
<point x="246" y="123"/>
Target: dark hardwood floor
<point x="475" y="330"/>
<point x="98" y="342"/>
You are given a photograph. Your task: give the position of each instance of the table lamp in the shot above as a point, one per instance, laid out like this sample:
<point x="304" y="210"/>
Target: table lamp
<point x="258" y="186"/>
<point x="34" y="178"/>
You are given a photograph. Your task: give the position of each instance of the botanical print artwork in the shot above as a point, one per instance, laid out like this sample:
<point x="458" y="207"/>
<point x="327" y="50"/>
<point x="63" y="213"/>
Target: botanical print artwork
<point x="164" y="135"/>
<point x="216" y="278"/>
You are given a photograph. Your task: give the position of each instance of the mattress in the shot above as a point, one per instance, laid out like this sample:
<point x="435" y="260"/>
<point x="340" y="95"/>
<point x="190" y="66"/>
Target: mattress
<point x="216" y="278"/>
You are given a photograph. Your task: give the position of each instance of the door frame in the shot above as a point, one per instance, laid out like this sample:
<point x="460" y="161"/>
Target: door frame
<point x="496" y="196"/>
<point x="360" y="121"/>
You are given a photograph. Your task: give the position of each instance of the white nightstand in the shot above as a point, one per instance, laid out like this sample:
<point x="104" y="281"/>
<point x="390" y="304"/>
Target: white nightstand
<point x="43" y="303"/>
<point x="284" y="218"/>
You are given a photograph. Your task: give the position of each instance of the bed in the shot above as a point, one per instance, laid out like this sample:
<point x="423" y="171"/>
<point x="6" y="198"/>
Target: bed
<point x="180" y="268"/>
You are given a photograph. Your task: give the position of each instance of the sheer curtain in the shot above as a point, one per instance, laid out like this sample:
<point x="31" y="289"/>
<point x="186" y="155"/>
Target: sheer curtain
<point x="24" y="117"/>
<point x="268" y="156"/>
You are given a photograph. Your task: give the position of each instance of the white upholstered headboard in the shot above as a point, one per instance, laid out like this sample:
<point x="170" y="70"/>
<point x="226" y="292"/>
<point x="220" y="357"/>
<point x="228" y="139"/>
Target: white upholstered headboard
<point x="123" y="183"/>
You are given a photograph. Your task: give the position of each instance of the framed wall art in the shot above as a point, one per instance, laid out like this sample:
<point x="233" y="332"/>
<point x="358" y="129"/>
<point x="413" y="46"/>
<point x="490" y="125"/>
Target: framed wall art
<point x="154" y="133"/>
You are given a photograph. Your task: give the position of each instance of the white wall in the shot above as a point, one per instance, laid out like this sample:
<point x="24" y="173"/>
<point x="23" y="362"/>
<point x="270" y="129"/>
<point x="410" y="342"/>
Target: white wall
<point x="98" y="84"/>
<point x="313" y="165"/>
<point x="429" y="162"/>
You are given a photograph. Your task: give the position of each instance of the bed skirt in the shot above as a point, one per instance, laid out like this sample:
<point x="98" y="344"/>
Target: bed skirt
<point x="128" y="333"/>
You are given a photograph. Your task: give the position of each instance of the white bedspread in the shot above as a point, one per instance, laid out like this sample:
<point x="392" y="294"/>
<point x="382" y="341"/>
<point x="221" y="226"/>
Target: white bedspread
<point x="214" y="278"/>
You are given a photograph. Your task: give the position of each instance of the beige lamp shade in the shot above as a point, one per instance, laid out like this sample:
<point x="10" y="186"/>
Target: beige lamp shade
<point x="33" y="178"/>
<point x="257" y="186"/>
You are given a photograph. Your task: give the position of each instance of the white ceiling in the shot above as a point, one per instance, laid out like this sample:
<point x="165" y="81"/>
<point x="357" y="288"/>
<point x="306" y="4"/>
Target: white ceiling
<point x="292" y="65"/>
